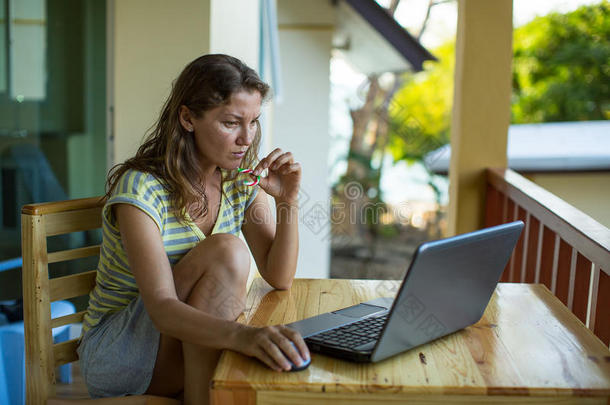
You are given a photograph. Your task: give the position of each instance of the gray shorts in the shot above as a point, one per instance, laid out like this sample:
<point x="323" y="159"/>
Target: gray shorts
<point x="118" y="355"/>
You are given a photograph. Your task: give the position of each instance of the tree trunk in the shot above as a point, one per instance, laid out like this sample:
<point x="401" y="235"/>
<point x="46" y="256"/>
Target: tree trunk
<point x="357" y="166"/>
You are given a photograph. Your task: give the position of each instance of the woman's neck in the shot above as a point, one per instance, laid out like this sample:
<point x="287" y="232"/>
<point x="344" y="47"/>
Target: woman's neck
<point x="211" y="174"/>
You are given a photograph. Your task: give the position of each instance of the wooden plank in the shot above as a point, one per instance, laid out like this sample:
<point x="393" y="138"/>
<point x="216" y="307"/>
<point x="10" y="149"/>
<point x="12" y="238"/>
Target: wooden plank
<point x="587" y="235"/>
<point x="59" y="223"/>
<point x="39" y="366"/>
<point x="67" y="319"/>
<point x="546" y="258"/>
<point x="572" y="277"/>
<point x="72" y="286"/>
<point x="582" y="278"/>
<point x="539" y="252"/>
<point x="602" y="313"/>
<point x="71" y="254"/>
<point x="520" y="248"/>
<point x="62" y="206"/>
<point x="552" y="348"/>
<point x="504" y="208"/>
<point x="493" y="206"/>
<point x="504" y="219"/>
<point x="511" y="212"/>
<point x="525" y="234"/>
<point x="366" y="398"/>
<point x="234" y="396"/>
<point x="532" y="249"/>
<point x="593" y="298"/>
<point x="555" y="264"/>
<point x="562" y="289"/>
<point x="65" y="352"/>
<point x="526" y="344"/>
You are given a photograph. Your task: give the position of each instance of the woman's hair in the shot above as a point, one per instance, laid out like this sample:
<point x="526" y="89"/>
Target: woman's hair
<point x="169" y="152"/>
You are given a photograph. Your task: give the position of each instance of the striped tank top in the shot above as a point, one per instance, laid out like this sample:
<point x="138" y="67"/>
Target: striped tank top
<point x="115" y="284"/>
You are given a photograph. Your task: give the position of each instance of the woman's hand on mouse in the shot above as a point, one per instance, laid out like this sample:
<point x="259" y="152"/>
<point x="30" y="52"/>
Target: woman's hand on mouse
<point x="283" y="177"/>
<point x="272" y="345"/>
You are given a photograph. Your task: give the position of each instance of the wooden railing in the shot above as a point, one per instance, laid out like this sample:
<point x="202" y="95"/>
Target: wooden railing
<point x="561" y="247"/>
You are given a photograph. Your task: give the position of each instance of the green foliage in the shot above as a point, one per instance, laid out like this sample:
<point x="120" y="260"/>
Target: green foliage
<point x="420" y="113"/>
<point x="562" y="67"/>
<point x="561" y="73"/>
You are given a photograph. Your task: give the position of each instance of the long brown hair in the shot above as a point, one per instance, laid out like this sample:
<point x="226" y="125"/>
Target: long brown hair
<point x="169" y="153"/>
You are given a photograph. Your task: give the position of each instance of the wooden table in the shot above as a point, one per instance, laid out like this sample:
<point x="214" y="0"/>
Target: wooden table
<point x="527" y="348"/>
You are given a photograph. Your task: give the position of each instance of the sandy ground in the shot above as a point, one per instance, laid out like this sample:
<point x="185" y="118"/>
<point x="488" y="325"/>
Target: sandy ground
<point x="389" y="261"/>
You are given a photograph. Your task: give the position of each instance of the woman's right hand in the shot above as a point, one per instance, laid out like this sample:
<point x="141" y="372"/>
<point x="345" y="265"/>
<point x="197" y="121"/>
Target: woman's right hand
<point x="268" y="344"/>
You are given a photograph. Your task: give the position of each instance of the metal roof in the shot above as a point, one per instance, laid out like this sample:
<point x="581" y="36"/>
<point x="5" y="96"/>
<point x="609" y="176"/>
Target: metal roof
<point x="547" y="147"/>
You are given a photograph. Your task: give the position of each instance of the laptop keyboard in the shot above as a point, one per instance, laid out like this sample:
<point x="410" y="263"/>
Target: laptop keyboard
<point x="352" y="335"/>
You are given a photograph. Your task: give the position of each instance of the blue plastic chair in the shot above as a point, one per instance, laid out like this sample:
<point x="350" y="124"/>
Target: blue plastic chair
<point x="11" y="264"/>
<point x="4" y="397"/>
<point x="12" y="355"/>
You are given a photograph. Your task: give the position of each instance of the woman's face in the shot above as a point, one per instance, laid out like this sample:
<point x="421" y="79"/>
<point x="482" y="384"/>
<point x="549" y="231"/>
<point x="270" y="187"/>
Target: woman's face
<point x="223" y="134"/>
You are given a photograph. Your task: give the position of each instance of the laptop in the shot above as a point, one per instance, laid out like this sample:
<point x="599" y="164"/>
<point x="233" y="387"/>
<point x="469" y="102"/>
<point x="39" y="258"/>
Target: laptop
<point x="445" y="289"/>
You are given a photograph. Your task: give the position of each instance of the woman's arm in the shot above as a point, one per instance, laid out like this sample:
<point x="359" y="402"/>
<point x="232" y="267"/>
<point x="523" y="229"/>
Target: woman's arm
<point x="275" y="244"/>
<point x="150" y="266"/>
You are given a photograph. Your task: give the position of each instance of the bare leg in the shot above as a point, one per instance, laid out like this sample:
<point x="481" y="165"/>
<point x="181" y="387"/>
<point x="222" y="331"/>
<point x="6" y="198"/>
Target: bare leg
<point x="220" y="293"/>
<point x="211" y="277"/>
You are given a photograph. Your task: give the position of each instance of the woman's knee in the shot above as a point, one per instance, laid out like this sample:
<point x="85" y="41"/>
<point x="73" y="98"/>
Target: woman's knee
<point x="221" y="290"/>
<point x="220" y="255"/>
<point x="230" y="256"/>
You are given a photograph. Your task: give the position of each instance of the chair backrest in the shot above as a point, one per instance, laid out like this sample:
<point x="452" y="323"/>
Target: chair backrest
<point x="39" y="221"/>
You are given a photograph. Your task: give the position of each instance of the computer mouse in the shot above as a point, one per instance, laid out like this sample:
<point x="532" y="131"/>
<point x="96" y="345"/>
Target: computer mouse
<point x="294" y="367"/>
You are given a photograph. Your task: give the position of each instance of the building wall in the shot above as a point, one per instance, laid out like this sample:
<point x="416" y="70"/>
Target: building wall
<point x="152" y="41"/>
<point x="589" y="192"/>
<point x="235" y="33"/>
<point x="300" y="121"/>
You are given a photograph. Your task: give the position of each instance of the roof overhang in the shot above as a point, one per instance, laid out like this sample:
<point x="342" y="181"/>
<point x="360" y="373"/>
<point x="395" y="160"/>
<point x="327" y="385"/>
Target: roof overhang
<point x="373" y="42"/>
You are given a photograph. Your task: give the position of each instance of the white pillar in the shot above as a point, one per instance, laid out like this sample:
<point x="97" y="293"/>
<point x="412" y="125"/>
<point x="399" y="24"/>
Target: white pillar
<point x="301" y="120"/>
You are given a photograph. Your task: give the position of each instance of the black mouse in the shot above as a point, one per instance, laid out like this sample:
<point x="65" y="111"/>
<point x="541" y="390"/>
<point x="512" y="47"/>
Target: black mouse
<point x="294" y="367"/>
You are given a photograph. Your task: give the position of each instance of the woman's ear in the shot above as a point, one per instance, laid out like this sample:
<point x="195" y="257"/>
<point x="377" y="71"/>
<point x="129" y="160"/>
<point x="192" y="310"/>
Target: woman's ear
<point x="185" y="118"/>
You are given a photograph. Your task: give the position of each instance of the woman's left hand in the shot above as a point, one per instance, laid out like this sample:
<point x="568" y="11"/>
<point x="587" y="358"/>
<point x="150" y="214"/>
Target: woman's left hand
<point x="283" y="177"/>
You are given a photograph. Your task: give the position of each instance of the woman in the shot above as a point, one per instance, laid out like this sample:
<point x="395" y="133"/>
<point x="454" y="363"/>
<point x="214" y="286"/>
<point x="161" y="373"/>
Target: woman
<point x="172" y="273"/>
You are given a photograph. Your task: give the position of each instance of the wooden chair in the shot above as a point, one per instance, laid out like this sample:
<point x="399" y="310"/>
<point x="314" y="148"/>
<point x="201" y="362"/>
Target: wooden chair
<point x="39" y="221"/>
